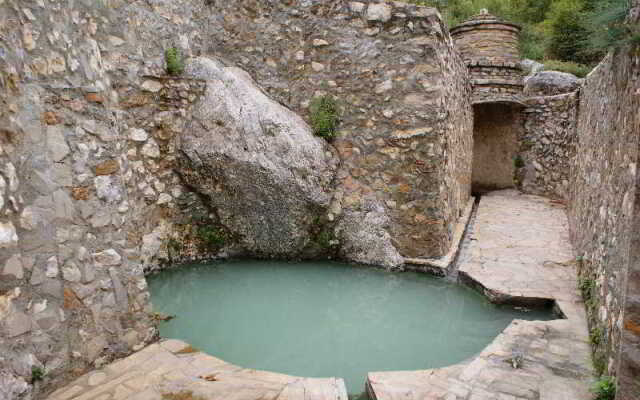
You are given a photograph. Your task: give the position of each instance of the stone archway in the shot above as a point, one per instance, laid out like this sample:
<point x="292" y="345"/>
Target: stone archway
<point x="495" y="135"/>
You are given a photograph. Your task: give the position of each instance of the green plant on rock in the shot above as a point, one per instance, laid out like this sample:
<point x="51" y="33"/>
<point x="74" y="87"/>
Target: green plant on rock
<point x="173" y="59"/>
<point x="518" y="162"/>
<point x="605" y="388"/>
<point x="37" y="374"/>
<point x="325" y="116"/>
<point x="595" y="336"/>
<point x="211" y="237"/>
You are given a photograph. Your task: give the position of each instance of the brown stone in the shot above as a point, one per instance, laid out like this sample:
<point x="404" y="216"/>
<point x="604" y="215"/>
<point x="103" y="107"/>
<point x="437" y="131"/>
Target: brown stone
<point x="51" y="118"/>
<point x="80" y="193"/>
<point x="71" y="301"/>
<point x="108" y="167"/>
<point x="632" y="326"/>
<point x="95" y="98"/>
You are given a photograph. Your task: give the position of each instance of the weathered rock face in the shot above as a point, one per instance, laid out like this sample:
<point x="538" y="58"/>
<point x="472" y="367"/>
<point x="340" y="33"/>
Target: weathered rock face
<point x="546" y="83"/>
<point x="265" y="174"/>
<point x="604" y="213"/>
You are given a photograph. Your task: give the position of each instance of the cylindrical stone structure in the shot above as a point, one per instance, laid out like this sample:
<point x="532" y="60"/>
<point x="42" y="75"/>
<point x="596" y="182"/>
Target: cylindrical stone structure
<point x="490" y="48"/>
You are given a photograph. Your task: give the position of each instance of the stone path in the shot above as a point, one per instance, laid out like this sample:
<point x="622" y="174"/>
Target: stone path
<point x="173" y="370"/>
<point x="519" y="254"/>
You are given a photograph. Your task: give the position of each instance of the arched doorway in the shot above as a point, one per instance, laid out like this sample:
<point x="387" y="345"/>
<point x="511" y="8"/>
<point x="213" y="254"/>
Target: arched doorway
<point x="495" y="136"/>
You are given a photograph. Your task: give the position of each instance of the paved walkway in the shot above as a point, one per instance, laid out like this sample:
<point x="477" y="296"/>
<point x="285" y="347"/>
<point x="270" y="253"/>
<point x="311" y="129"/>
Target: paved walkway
<point x="173" y="370"/>
<point x="519" y="254"/>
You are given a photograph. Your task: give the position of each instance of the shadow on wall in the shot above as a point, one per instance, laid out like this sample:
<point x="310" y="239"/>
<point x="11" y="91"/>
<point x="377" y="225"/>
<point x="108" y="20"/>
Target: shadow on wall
<point x="495" y="136"/>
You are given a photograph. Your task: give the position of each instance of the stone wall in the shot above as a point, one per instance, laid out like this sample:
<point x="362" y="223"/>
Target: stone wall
<point x="547" y="144"/>
<point x="602" y="205"/>
<point x="405" y="133"/>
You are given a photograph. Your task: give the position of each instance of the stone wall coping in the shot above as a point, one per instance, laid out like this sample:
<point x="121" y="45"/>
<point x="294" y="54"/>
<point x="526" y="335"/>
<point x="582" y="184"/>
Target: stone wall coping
<point x="485" y="82"/>
<point x="493" y="24"/>
<point x="483" y="62"/>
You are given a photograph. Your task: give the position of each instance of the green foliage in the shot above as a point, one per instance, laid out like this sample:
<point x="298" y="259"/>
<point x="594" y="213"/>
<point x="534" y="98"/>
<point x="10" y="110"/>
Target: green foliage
<point x="608" y="29"/>
<point x="566" y="31"/>
<point x="587" y="287"/>
<point x="325" y="116"/>
<point x="595" y="336"/>
<point x="518" y="162"/>
<point x="605" y="388"/>
<point x="577" y="31"/>
<point x="37" y="374"/>
<point x="211" y="237"/>
<point x="173" y="59"/>
<point x="579" y="70"/>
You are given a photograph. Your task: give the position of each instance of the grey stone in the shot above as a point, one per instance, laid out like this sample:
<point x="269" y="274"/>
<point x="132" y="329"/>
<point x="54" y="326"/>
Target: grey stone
<point x="547" y="83"/>
<point x="106" y="189"/>
<point x="379" y="12"/>
<point x="8" y="235"/>
<point x="51" y="269"/>
<point x="56" y="143"/>
<point x="14" y="267"/>
<point x="71" y="272"/>
<point x="108" y="257"/>
<point x="3" y="188"/>
<point x="266" y="171"/>
<point x="64" y="208"/>
<point x="151" y="149"/>
<point x="17" y="323"/>
<point x="13" y="387"/>
<point x="9" y="172"/>
<point x="138" y="135"/>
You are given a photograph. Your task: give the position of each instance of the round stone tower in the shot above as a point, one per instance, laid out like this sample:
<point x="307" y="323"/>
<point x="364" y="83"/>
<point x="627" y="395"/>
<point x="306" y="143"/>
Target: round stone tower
<point x="489" y="47"/>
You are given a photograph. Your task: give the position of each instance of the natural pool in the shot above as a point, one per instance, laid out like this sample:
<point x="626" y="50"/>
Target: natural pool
<point x="322" y="319"/>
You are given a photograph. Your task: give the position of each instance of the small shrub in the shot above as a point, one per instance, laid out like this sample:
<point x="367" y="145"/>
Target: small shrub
<point x="595" y="336"/>
<point x="518" y="162"/>
<point x="605" y="388"/>
<point x="579" y="70"/>
<point x="324" y="117"/>
<point x="173" y="59"/>
<point x="211" y="237"/>
<point x="37" y="374"/>
<point x="587" y="287"/>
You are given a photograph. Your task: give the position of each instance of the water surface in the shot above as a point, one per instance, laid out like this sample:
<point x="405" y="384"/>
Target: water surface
<point x="322" y="319"/>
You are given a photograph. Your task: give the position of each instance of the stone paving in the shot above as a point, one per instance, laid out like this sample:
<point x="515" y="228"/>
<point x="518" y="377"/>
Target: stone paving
<point x="173" y="370"/>
<point x="519" y="254"/>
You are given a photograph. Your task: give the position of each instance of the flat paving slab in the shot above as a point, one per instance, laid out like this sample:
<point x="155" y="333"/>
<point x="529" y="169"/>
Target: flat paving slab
<point x="173" y="370"/>
<point x="519" y="254"/>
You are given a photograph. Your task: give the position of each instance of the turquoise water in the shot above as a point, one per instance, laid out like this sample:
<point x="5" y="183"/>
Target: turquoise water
<point x="322" y="319"/>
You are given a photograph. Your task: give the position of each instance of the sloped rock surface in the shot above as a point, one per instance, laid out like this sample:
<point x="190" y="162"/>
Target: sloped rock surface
<point x="546" y="83"/>
<point x="266" y="176"/>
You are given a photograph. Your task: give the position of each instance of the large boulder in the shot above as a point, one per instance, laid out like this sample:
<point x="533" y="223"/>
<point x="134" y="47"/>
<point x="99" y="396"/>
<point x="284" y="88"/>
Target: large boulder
<point x="267" y="178"/>
<point x="547" y="83"/>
